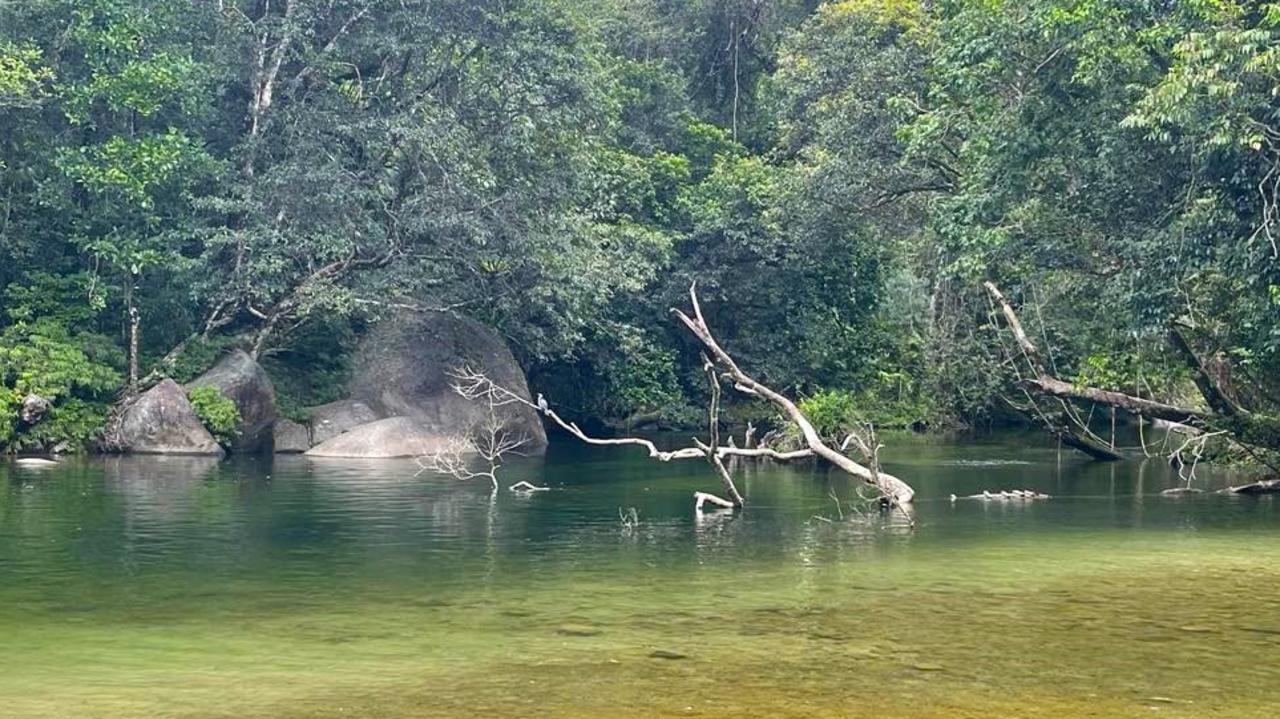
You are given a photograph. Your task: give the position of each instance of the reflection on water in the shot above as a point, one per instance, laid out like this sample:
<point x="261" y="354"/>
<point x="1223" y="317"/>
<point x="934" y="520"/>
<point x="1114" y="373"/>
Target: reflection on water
<point x="289" y="587"/>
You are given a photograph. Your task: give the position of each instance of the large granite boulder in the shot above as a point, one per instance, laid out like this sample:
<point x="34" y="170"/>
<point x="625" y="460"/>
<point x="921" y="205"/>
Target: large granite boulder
<point x="391" y="437"/>
<point x="289" y="437"/>
<point x="161" y="421"/>
<point x="330" y="420"/>
<point x="401" y="369"/>
<point x="244" y="381"/>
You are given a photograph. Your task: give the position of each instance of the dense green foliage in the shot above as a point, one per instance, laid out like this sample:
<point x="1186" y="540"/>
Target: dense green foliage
<point x="217" y="412"/>
<point x="837" y="177"/>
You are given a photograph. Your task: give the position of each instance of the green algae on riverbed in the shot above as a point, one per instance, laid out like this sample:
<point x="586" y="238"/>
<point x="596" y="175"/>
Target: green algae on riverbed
<point x="146" y="588"/>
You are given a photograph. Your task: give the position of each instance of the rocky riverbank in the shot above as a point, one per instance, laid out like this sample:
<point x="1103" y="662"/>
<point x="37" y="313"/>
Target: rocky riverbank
<point x="400" y="399"/>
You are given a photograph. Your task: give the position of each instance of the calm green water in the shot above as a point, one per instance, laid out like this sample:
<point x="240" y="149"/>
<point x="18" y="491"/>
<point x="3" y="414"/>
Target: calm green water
<point x="136" y="587"/>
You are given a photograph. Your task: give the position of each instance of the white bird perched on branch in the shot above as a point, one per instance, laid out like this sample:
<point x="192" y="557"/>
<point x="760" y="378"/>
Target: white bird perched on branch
<point x="542" y="404"/>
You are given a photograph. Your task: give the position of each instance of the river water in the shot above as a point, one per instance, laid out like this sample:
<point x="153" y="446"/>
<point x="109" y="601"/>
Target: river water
<point x="289" y="588"/>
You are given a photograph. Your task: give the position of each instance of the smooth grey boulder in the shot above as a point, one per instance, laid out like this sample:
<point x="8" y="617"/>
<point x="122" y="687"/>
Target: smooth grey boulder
<point x="161" y="421"/>
<point x="391" y="437"/>
<point x="401" y="368"/>
<point x="243" y="380"/>
<point x="289" y="437"/>
<point x="34" y="407"/>
<point x="330" y="420"/>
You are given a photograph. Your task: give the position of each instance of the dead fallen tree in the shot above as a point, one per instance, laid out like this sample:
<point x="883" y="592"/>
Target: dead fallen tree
<point x="1256" y="433"/>
<point x="720" y="369"/>
<point x="890" y="487"/>
<point x="1062" y="421"/>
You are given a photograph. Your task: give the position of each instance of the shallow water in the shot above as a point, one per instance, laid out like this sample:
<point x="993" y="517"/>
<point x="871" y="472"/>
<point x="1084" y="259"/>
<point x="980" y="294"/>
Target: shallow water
<point x="179" y="587"/>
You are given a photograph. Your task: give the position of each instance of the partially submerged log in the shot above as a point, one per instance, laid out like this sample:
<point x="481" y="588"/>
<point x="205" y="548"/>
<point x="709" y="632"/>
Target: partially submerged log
<point x="1075" y="435"/>
<point x="1266" y="486"/>
<point x="1062" y="424"/>
<point x="1257" y="433"/>
<point x="988" y="496"/>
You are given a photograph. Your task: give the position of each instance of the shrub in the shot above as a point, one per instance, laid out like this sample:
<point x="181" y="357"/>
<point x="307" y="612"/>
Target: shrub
<point x="833" y="413"/>
<point x="75" y="371"/>
<point x="74" y="421"/>
<point x="198" y="356"/>
<point x="217" y="413"/>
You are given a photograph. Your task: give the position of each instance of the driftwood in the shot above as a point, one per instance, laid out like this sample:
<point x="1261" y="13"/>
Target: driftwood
<point x="987" y="496"/>
<point x="1054" y="387"/>
<point x="1266" y="486"/>
<point x="475" y="385"/>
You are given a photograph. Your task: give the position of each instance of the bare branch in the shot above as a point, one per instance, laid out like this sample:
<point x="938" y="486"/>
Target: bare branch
<point x="713" y="431"/>
<point x="475" y="385"/>
<point x="489" y="441"/>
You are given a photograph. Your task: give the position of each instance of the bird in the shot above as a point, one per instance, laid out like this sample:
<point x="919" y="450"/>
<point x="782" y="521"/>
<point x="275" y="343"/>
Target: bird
<point x="542" y="404"/>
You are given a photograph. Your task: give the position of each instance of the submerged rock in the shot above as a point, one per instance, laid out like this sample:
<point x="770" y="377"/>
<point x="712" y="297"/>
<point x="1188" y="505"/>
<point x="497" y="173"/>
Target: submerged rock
<point x="34" y="462"/>
<point x="391" y="437"/>
<point x="330" y="420"/>
<point x="244" y="381"/>
<point x="289" y="437"/>
<point x="402" y="367"/>
<point x="161" y="421"/>
<point x="574" y="630"/>
<point x="664" y="654"/>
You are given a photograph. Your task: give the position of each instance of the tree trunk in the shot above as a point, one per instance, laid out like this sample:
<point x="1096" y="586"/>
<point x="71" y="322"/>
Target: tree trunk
<point x="1069" y="433"/>
<point x="1247" y="428"/>
<point x="133" y="334"/>
<point x="1054" y="387"/>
